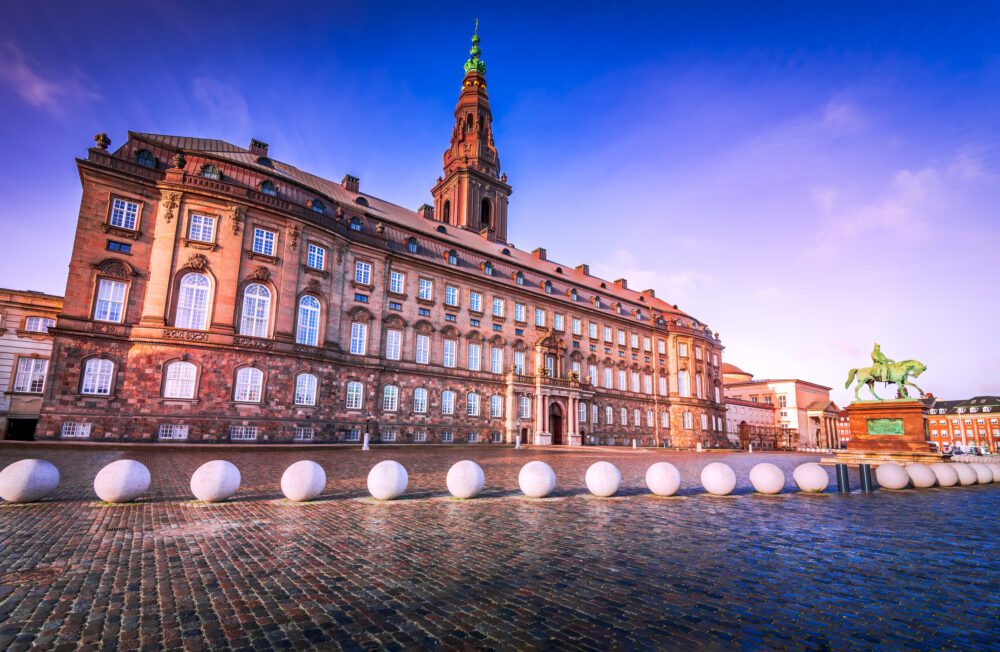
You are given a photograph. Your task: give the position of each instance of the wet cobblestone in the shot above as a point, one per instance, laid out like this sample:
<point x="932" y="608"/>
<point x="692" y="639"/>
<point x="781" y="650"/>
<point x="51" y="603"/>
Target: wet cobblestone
<point x="910" y="569"/>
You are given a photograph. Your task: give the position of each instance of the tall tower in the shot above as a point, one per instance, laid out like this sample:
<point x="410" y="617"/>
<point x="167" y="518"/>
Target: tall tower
<point x="473" y="193"/>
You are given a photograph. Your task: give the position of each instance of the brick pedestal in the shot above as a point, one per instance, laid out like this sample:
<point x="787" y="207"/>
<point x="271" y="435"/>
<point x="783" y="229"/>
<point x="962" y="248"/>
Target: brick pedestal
<point x="887" y="431"/>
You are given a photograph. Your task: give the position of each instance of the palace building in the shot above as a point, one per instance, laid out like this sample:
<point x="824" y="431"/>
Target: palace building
<point x="218" y="294"/>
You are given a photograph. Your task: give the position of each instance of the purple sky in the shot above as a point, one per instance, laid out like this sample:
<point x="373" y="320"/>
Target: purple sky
<point x="806" y="180"/>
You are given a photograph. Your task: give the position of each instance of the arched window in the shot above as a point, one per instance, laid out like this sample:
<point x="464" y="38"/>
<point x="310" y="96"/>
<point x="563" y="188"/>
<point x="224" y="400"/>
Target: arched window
<point x="211" y="172"/>
<point x="683" y="383"/>
<point x="268" y="188"/>
<point x="180" y="380"/>
<point x="484" y="213"/>
<point x="452" y="257"/>
<point x="307" y="330"/>
<point x="548" y="287"/>
<point x="305" y="389"/>
<point x="699" y="391"/>
<point x="469" y="122"/>
<point x="420" y="400"/>
<point x="193" y="302"/>
<point x="687" y="421"/>
<point x="496" y="406"/>
<point x="355" y="224"/>
<point x="355" y="394"/>
<point x="145" y="158"/>
<point x="411" y="245"/>
<point x="472" y="404"/>
<point x="317" y="206"/>
<point x="447" y="402"/>
<point x="249" y="385"/>
<point x="97" y="376"/>
<point x="256" y="310"/>
<point x="488" y="268"/>
<point x="390" y="398"/>
<point x="446" y="212"/>
<point x="519" y="278"/>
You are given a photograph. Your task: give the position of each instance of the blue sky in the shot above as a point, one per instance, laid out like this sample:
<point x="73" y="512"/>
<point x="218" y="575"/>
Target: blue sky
<point x="804" y="177"/>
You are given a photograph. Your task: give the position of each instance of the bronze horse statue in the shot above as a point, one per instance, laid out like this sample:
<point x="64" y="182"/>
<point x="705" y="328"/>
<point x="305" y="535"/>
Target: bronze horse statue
<point x="898" y="373"/>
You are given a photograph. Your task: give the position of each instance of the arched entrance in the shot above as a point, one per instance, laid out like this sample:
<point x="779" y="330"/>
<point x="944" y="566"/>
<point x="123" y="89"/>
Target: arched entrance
<point x="556" y="422"/>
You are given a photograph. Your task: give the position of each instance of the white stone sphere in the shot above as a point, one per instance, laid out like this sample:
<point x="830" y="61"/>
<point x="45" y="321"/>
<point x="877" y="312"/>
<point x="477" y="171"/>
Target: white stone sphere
<point x="983" y="474"/>
<point x="387" y="480"/>
<point x="966" y="475"/>
<point x="122" y="481"/>
<point x="921" y="475"/>
<point x="603" y="479"/>
<point x="945" y="474"/>
<point x="718" y="479"/>
<point x="303" y="481"/>
<point x="767" y="478"/>
<point x="465" y="479"/>
<point x="995" y="470"/>
<point x="663" y="479"/>
<point x="536" y="479"/>
<point x="215" y="481"/>
<point x="892" y="476"/>
<point x="26" y="481"/>
<point x="811" y="478"/>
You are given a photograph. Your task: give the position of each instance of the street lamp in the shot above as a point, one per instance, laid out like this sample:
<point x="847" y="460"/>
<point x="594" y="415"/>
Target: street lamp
<point x="369" y="420"/>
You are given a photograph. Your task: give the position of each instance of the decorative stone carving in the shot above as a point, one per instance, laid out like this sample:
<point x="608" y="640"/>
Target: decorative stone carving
<point x="182" y="334"/>
<point x="171" y="200"/>
<point x="340" y="213"/>
<point x="102" y="141"/>
<point x="262" y="274"/>
<point x="179" y="160"/>
<point x="293" y="236"/>
<point x="198" y="262"/>
<point x="340" y="254"/>
<point x="116" y="269"/>
<point x="380" y="228"/>
<point x="313" y="284"/>
<point x="236" y="214"/>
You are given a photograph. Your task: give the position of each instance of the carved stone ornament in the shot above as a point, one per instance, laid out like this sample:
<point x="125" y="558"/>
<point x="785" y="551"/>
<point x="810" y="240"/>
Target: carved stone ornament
<point x="313" y="284"/>
<point x="171" y="200"/>
<point x="261" y="273"/>
<point x="116" y="269"/>
<point x="198" y="262"/>
<point x="102" y="141"/>
<point x="380" y="228"/>
<point x="179" y="160"/>
<point x="340" y="213"/>
<point x="236" y="214"/>
<point x="293" y="236"/>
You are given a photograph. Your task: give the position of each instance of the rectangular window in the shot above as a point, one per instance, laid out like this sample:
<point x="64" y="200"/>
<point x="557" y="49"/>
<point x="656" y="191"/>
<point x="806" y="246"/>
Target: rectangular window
<point x="30" y="375"/>
<point x="665" y="419"/>
<point x="472" y="405"/>
<point x="110" y="301"/>
<point x="621" y="338"/>
<point x="359" y="338"/>
<point x="539" y="317"/>
<point x="361" y="298"/>
<point x="447" y="402"/>
<point x="647" y="344"/>
<point x="607" y="334"/>
<point x="420" y="400"/>
<point x="474" y="351"/>
<point x="363" y="273"/>
<point x="316" y="257"/>
<point x="697" y="353"/>
<point x="447" y="437"/>
<point x="173" y="431"/>
<point x="201" y="228"/>
<point x="388" y="434"/>
<point x="682" y="349"/>
<point x="355" y="391"/>
<point x="622" y="380"/>
<point x="496" y="359"/>
<point x="124" y="214"/>
<point x="524" y="407"/>
<point x="634" y="340"/>
<point x="397" y="282"/>
<point x="120" y="247"/>
<point x="593" y="414"/>
<point x="390" y="398"/>
<point x="496" y="406"/>
<point x="635" y="381"/>
<point x="557" y="322"/>
<point x="519" y="312"/>
<point x="663" y="385"/>
<point x="623" y="416"/>
<point x="473" y="437"/>
<point x="393" y="305"/>
<point x="475" y="302"/>
<point x="353" y="434"/>
<point x="495" y="437"/>
<point x="449" y="353"/>
<point x="420" y="436"/>
<point x="592" y="374"/>
<point x="647" y="383"/>
<point x="243" y="433"/>
<point x="608" y="384"/>
<point x="423" y="349"/>
<point x="450" y="295"/>
<point x="263" y="242"/>
<point x="577" y="326"/>
<point x="393" y="344"/>
<point x="498" y="307"/>
<point x="592" y="330"/>
<point x="425" y="289"/>
<point x="661" y="347"/>
<point x="303" y="433"/>
<point x="519" y="362"/>
<point x="75" y="429"/>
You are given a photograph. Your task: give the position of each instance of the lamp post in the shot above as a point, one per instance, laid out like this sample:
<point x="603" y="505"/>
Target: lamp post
<point x="369" y="420"/>
<point x="517" y="435"/>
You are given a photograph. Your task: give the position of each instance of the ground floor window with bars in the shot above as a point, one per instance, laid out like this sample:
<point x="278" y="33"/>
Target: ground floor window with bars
<point x="75" y="429"/>
<point x="388" y="435"/>
<point x="352" y="434"/>
<point x="173" y="431"/>
<point x="420" y="436"/>
<point x="243" y="433"/>
<point x="304" y="434"/>
<point x="447" y="437"/>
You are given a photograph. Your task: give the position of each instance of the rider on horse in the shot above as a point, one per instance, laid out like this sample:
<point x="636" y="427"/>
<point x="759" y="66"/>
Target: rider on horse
<point x="880" y="364"/>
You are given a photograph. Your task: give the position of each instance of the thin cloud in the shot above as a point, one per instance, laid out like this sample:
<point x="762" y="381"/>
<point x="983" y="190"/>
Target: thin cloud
<point x="223" y="100"/>
<point x="49" y="94"/>
<point x="675" y="287"/>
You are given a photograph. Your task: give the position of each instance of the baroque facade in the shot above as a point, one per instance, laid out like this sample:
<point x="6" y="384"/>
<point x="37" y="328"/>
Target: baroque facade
<point x="218" y="294"/>
<point x="968" y="425"/>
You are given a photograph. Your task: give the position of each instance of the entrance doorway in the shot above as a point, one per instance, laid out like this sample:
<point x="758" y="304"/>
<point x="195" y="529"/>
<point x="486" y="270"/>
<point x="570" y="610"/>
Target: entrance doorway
<point x="21" y="429"/>
<point x="556" y="422"/>
<point x="524" y="435"/>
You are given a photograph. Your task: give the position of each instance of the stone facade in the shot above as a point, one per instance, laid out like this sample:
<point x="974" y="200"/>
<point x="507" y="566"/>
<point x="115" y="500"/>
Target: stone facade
<point x="967" y="425"/>
<point x="25" y="349"/>
<point x="216" y="293"/>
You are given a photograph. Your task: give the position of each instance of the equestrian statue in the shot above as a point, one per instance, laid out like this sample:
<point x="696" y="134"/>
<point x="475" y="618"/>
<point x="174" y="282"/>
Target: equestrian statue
<point x="885" y="370"/>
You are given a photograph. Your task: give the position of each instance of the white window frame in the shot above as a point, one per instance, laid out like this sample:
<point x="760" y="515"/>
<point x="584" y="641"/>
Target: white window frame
<point x="30" y="375"/>
<point x="249" y="386"/>
<point x="475" y="301"/>
<point x="316" y="257"/>
<point x="423" y="353"/>
<point x="448" y="353"/>
<point x="263" y="241"/>
<point x="124" y="214"/>
<point x="475" y="356"/>
<point x="362" y="272"/>
<point x="390" y="398"/>
<point x="472" y="404"/>
<point x="307" y="326"/>
<point x="359" y="338"/>
<point x="496" y="359"/>
<point x="110" y="304"/>
<point x="354" y="398"/>
<point x="393" y="344"/>
<point x="448" y="402"/>
<point x="397" y="282"/>
<point x="255" y="313"/>
<point x="98" y="377"/>
<point x="420" y="400"/>
<point x="201" y="228"/>
<point x="425" y="289"/>
<point x="306" y="385"/>
<point x="181" y="380"/>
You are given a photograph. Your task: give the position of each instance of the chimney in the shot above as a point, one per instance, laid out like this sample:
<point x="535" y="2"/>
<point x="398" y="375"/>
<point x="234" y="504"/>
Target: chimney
<point x="583" y="269"/>
<point x="426" y="212"/>
<point x="621" y="283"/>
<point x="257" y="147"/>
<point x="539" y="253"/>
<point x="649" y="294"/>
<point x="351" y="183"/>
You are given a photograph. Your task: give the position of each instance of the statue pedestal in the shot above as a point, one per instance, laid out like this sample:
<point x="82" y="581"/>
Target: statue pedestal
<point x="887" y="431"/>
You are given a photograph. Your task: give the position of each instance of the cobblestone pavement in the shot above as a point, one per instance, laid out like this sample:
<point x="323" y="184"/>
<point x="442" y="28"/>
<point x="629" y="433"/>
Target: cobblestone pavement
<point x="911" y="569"/>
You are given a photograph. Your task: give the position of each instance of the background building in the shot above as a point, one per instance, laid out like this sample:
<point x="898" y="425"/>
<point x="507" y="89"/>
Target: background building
<point x="753" y="423"/>
<point x="964" y="424"/>
<point x="804" y="413"/>
<point x="25" y="349"/>
<point x="844" y="427"/>
<point x="216" y="293"/>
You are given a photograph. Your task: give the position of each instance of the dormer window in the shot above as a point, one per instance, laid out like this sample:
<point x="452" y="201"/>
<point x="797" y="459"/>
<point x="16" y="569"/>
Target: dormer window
<point x="547" y="286"/>
<point x="559" y="270"/>
<point x="573" y="295"/>
<point x="211" y="172"/>
<point x="269" y="188"/>
<point x="355" y="224"/>
<point x="597" y="301"/>
<point x="411" y="245"/>
<point x="519" y="278"/>
<point x="146" y="159"/>
<point x="266" y="162"/>
<point x="361" y="201"/>
<point x="505" y="251"/>
<point x="488" y="268"/>
<point x="441" y="229"/>
<point x="317" y="206"/>
<point x="452" y="257"/>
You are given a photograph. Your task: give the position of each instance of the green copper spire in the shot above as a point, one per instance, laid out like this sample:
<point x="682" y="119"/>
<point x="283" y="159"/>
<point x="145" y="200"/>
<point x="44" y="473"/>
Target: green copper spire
<point x="474" y="62"/>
